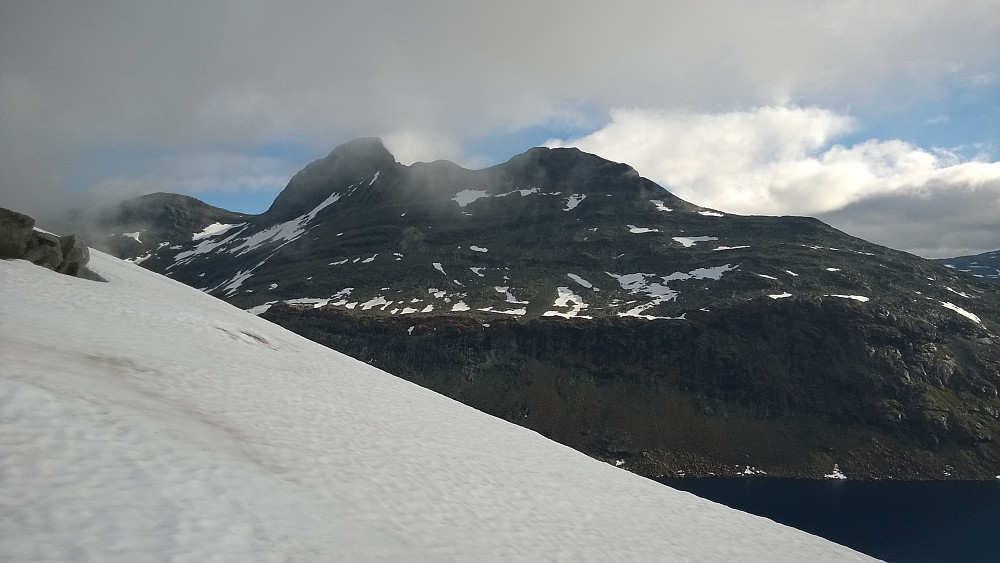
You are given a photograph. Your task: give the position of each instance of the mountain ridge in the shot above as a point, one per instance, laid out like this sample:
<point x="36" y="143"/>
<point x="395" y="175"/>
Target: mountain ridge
<point x="470" y="281"/>
<point x="985" y="265"/>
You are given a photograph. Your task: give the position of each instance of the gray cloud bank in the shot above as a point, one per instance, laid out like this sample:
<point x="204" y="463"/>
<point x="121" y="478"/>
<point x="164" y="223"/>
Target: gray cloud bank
<point x="944" y="220"/>
<point x="196" y="88"/>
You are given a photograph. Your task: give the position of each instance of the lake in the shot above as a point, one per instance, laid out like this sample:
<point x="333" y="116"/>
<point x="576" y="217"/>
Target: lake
<point x="900" y="521"/>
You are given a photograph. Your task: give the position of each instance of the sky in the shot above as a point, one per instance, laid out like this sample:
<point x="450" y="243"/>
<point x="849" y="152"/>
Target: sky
<point x="881" y="118"/>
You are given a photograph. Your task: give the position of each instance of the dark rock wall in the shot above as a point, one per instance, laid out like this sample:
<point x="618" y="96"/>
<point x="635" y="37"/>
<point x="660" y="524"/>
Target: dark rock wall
<point x="790" y="388"/>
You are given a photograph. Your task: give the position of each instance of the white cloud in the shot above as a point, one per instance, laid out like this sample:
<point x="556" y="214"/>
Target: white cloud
<point x="725" y="160"/>
<point x="783" y="161"/>
<point x="409" y="146"/>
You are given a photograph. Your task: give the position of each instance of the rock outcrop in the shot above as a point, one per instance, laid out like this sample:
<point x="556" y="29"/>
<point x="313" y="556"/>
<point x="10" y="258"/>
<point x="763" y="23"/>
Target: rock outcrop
<point x="15" y="233"/>
<point x="19" y="240"/>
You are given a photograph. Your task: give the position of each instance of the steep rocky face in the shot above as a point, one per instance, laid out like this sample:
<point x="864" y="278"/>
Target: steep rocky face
<point x="310" y="186"/>
<point x="787" y="388"/>
<point x="985" y="265"/>
<point x="566" y="293"/>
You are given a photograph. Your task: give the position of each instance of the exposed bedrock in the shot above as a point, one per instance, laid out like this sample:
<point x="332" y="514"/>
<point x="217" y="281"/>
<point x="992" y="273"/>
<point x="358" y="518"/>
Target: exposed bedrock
<point x="788" y="389"/>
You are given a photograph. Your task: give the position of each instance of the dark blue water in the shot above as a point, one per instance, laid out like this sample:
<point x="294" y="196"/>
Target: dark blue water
<point x="950" y="521"/>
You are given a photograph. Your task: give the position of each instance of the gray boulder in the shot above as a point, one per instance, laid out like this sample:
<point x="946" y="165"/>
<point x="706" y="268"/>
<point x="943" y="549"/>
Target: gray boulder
<point x="19" y="240"/>
<point x="75" y="255"/>
<point x="44" y="249"/>
<point x="15" y="233"/>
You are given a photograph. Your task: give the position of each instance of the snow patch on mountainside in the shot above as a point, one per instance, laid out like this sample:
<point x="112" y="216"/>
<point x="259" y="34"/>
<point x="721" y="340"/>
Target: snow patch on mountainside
<point x="283" y="232"/>
<point x="961" y="311"/>
<point x="287" y="231"/>
<point x="574" y="200"/>
<point x="640" y="230"/>
<point x="688" y="242"/>
<point x="860" y="298"/>
<point x="640" y="283"/>
<point x="582" y="282"/>
<point x="567" y="300"/>
<point x="516" y="312"/>
<point x="959" y="293"/>
<point x="465" y="197"/>
<point x="508" y="296"/>
<point x="212" y="230"/>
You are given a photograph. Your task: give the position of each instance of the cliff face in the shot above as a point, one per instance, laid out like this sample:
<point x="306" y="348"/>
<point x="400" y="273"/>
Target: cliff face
<point x="789" y="389"/>
<point x="568" y="294"/>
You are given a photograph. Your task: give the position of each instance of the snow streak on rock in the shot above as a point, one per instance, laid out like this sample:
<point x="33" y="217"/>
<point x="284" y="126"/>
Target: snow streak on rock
<point x="574" y="200"/>
<point x="212" y="230"/>
<point x="567" y="300"/>
<point x="961" y="311"/>
<point x="688" y="242"/>
<point x="582" y="282"/>
<point x="465" y="197"/>
<point x="640" y="230"/>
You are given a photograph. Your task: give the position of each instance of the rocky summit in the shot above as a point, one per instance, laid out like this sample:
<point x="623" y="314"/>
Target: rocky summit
<point x="568" y="294"/>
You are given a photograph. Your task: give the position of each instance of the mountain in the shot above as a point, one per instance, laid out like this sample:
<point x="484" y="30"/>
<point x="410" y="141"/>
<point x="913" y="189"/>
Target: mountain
<point x="985" y="265"/>
<point x="140" y="226"/>
<point x="568" y="294"/>
<point x="184" y="428"/>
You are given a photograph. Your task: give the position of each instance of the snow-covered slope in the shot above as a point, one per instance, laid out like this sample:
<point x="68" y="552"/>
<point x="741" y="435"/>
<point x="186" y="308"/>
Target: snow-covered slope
<point x="141" y="419"/>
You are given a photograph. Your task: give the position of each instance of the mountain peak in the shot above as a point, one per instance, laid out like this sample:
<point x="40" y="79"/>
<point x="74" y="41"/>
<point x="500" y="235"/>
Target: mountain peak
<point x="362" y="148"/>
<point x="569" y="167"/>
<point x="363" y="156"/>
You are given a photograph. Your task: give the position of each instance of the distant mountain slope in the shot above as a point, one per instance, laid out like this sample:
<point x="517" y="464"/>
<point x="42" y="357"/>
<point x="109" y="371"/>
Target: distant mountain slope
<point x="567" y="293"/>
<point x="985" y="265"/>
<point x="143" y="421"/>
<point x="140" y="226"/>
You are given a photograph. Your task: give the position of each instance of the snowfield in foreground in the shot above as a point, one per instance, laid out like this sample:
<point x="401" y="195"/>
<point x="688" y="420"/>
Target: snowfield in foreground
<point x="143" y="420"/>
